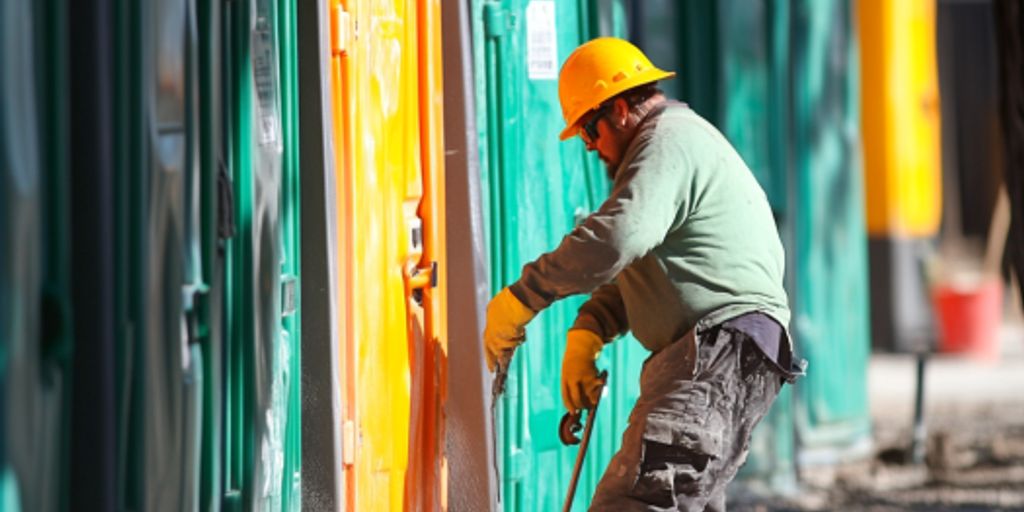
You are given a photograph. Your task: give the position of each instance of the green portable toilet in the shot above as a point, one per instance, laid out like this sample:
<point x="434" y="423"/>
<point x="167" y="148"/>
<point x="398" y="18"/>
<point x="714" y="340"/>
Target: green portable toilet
<point x="216" y="218"/>
<point x="32" y="286"/>
<point x="829" y="242"/>
<point x="262" y="410"/>
<point x="535" y="190"/>
<point x="780" y="80"/>
<point x="156" y="219"/>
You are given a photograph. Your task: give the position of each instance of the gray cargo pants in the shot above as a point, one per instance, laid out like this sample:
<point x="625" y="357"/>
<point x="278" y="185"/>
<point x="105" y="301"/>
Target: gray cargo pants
<point x="689" y="433"/>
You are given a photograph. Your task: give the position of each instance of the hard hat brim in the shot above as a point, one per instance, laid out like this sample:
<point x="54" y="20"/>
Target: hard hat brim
<point x="652" y="75"/>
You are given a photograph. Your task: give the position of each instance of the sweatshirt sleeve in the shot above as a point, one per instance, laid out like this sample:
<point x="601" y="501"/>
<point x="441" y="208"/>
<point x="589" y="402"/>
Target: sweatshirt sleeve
<point x="651" y="194"/>
<point x="604" y="313"/>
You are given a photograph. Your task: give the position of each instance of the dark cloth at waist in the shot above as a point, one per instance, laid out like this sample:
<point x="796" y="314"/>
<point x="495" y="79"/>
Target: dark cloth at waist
<point x="771" y="338"/>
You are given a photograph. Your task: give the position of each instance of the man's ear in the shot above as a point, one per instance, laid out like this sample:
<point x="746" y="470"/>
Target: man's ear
<point x="621" y="109"/>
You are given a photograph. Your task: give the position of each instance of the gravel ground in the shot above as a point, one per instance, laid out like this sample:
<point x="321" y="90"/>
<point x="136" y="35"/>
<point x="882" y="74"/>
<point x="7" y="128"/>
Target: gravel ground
<point x="974" y="454"/>
<point x="974" y="461"/>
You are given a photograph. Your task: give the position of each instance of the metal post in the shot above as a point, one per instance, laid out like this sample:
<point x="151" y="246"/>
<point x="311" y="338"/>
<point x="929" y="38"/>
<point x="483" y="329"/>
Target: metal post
<point x="917" y="447"/>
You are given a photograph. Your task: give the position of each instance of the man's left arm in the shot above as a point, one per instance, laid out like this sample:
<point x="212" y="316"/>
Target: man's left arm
<point x="600" y="320"/>
<point x="604" y="313"/>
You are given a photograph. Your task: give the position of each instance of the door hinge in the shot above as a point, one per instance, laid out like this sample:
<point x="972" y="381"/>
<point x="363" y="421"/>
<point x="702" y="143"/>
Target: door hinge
<point x="421" y="278"/>
<point x="341" y="32"/>
<point x="194" y="297"/>
<point x="416" y="235"/>
<point x="348" y="443"/>
<point x="288" y="286"/>
<point x="225" y="203"/>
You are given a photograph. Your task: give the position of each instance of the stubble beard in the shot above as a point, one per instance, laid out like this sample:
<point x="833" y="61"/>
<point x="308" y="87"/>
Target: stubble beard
<point x="610" y="170"/>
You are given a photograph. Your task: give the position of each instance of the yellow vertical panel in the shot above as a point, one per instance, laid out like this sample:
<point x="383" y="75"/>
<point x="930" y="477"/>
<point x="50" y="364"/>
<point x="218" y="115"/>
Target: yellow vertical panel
<point x="387" y="116"/>
<point x="386" y="153"/>
<point x="901" y="121"/>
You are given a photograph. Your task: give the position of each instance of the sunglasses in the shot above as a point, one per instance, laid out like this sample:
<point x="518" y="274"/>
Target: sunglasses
<point x="590" y="127"/>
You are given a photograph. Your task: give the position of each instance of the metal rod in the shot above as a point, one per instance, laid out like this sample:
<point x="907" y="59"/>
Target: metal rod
<point x="917" y="446"/>
<point x="591" y="415"/>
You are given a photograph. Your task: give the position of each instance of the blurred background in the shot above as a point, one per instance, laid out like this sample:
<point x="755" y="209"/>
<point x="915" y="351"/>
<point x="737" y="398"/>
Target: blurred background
<point x="245" y="247"/>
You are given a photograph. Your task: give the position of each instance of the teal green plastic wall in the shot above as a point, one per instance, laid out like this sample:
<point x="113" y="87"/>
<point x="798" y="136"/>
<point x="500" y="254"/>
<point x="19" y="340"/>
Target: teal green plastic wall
<point x="33" y="283"/>
<point x="831" y="306"/>
<point x="262" y="417"/>
<point x="216" y="229"/>
<point x="160" y="368"/>
<point x="535" y="191"/>
<point x="290" y="403"/>
<point x="208" y="256"/>
<point x="187" y="175"/>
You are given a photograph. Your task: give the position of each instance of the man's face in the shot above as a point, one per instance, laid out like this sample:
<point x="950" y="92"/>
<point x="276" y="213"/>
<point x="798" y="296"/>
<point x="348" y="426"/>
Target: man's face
<point x="602" y="131"/>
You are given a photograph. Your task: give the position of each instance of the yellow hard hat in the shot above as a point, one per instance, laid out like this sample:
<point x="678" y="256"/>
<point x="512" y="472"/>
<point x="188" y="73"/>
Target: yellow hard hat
<point x="597" y="70"/>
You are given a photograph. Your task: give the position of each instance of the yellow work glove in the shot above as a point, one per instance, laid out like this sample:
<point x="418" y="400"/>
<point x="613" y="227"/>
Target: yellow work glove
<point x="506" y="327"/>
<point x="580" y="385"/>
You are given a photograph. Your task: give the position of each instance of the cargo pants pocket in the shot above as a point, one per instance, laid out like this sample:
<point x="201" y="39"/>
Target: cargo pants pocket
<point x="674" y="456"/>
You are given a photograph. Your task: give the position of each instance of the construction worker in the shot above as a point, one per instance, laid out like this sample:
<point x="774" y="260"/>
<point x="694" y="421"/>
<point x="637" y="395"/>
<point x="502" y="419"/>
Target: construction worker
<point x="685" y="254"/>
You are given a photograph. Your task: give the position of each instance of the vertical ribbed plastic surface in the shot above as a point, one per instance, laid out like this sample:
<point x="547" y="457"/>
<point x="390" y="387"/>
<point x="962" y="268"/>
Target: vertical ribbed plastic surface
<point x="262" y="417"/>
<point x="289" y="403"/>
<point x="535" y="190"/>
<point x="829" y="251"/>
<point x="30" y="383"/>
<point x="209" y="322"/>
<point x="160" y="368"/>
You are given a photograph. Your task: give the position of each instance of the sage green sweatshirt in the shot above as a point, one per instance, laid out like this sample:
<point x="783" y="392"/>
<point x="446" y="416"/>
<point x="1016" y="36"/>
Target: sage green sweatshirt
<point x="685" y="234"/>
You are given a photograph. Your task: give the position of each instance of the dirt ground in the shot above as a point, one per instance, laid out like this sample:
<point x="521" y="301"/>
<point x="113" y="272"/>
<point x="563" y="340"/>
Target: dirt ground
<point x="974" y="449"/>
<point x="974" y="460"/>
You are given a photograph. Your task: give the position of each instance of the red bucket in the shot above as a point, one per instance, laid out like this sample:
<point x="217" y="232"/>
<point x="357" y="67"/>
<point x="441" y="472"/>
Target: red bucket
<point x="969" y="318"/>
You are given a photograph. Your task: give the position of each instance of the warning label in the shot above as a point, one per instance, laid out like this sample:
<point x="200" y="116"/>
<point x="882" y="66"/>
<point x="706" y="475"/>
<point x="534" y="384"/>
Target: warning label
<point x="541" y="41"/>
<point x="264" y="74"/>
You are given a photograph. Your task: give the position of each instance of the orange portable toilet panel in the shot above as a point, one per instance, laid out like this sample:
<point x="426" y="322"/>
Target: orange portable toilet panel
<point x="385" y="73"/>
<point x="341" y="106"/>
<point x="426" y="479"/>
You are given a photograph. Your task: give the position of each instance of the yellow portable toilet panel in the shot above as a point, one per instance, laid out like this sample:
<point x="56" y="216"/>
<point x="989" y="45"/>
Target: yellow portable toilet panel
<point x="386" y="85"/>
<point x="900" y="117"/>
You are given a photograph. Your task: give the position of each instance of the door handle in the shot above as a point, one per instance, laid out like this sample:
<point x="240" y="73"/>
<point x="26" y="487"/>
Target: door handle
<point x="421" y="278"/>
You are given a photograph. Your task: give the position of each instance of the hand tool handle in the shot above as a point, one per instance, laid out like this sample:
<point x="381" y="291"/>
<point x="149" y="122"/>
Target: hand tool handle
<point x="591" y="415"/>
